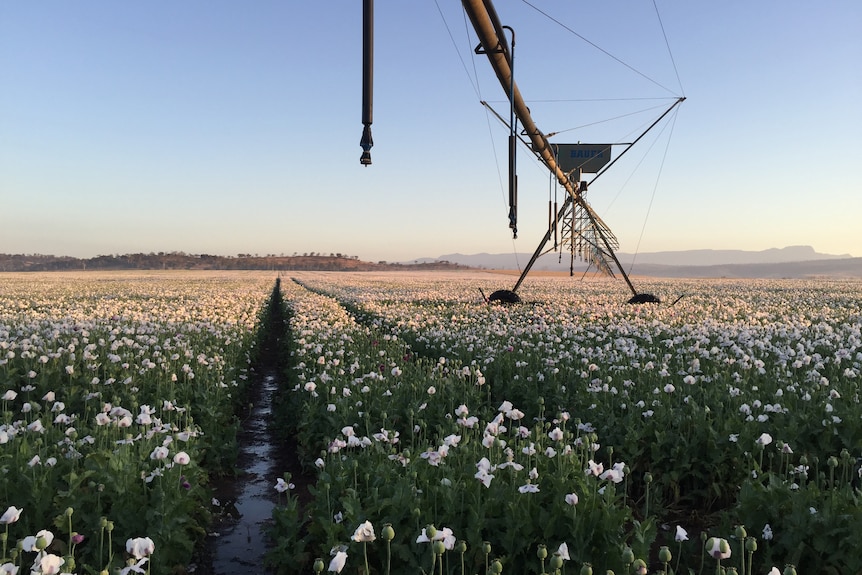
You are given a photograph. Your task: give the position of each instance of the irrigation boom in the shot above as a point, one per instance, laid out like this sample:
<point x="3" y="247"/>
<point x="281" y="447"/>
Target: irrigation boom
<point x="588" y="236"/>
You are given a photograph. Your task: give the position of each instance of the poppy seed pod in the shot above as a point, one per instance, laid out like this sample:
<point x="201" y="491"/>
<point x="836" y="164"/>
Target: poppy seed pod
<point x="628" y="556"/>
<point x="664" y="554"/>
<point x="556" y="562"/>
<point x="439" y="547"/>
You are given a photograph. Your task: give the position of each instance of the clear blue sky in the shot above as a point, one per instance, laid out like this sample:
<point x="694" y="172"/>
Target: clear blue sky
<point x="233" y="127"/>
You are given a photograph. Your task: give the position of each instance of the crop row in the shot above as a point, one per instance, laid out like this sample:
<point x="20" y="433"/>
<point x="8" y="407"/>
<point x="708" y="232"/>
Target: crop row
<point x="118" y="394"/>
<point x="575" y="423"/>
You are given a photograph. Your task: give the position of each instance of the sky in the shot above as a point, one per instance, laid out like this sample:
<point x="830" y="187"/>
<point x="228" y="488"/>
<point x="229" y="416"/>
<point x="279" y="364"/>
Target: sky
<point x="223" y="127"/>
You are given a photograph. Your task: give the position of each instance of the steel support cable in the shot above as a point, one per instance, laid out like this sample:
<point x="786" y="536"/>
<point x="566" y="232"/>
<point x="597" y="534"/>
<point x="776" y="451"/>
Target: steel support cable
<point x="596" y="46"/>
<point x="672" y="123"/>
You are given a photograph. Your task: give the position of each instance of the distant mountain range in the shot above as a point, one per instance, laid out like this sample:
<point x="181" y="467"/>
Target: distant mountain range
<point x="789" y="262"/>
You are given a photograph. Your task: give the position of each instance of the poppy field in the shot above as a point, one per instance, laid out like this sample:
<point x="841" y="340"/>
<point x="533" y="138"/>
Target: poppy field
<point x="118" y="393"/>
<point x="438" y="434"/>
<point x="574" y="432"/>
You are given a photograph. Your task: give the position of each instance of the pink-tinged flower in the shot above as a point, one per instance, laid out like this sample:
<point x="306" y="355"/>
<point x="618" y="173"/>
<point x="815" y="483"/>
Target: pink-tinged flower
<point x="462" y="411"/>
<point x="718" y="548"/>
<point x="102" y="419"/>
<point x="49" y="397"/>
<point x="484" y="472"/>
<point x="182" y="458"/>
<point x="529" y="488"/>
<point x="764" y="439"/>
<point x="11" y="515"/>
<point x="42" y="540"/>
<point x="338" y="561"/>
<point x="281" y="485"/>
<point x="35" y="461"/>
<point x="615" y="474"/>
<point x="134" y="567"/>
<point x="594" y="468"/>
<point x="10" y="395"/>
<point x="572" y="498"/>
<point x="49" y="564"/>
<point x="140" y="547"/>
<point x="159" y="453"/>
<point x="8" y="569"/>
<point x="445" y="535"/>
<point x="556" y="434"/>
<point x="364" y="533"/>
<point x="681" y="534"/>
<point x="451" y="440"/>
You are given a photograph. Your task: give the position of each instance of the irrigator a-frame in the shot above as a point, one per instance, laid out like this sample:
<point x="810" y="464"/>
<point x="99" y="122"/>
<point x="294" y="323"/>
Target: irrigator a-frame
<point x="575" y="227"/>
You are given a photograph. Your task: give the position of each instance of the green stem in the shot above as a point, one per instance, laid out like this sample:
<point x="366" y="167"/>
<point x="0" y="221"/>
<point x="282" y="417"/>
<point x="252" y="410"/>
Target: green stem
<point x="388" y="556"/>
<point x="365" y="553"/>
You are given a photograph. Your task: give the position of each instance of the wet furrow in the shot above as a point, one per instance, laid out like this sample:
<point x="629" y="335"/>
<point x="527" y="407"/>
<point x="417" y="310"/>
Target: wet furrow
<point x="244" y="500"/>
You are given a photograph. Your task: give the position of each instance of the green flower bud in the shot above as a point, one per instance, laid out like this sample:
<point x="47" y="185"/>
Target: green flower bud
<point x="751" y="544"/>
<point x="542" y="552"/>
<point x="790" y="570"/>
<point x="486" y="548"/>
<point x="740" y="532"/>
<point x="461" y="546"/>
<point x="69" y="564"/>
<point x="430" y="531"/>
<point x="387" y="534"/>
<point x="68" y="512"/>
<point x="803" y="460"/>
<point x="497" y="567"/>
<point x="832" y="461"/>
<point x="639" y="567"/>
<point x="647" y="477"/>
<point x="731" y="571"/>
<point x="318" y="565"/>
<point x="587" y="569"/>
<point x="103" y="522"/>
<point x="41" y="543"/>
<point x="664" y="554"/>
<point x="628" y="556"/>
